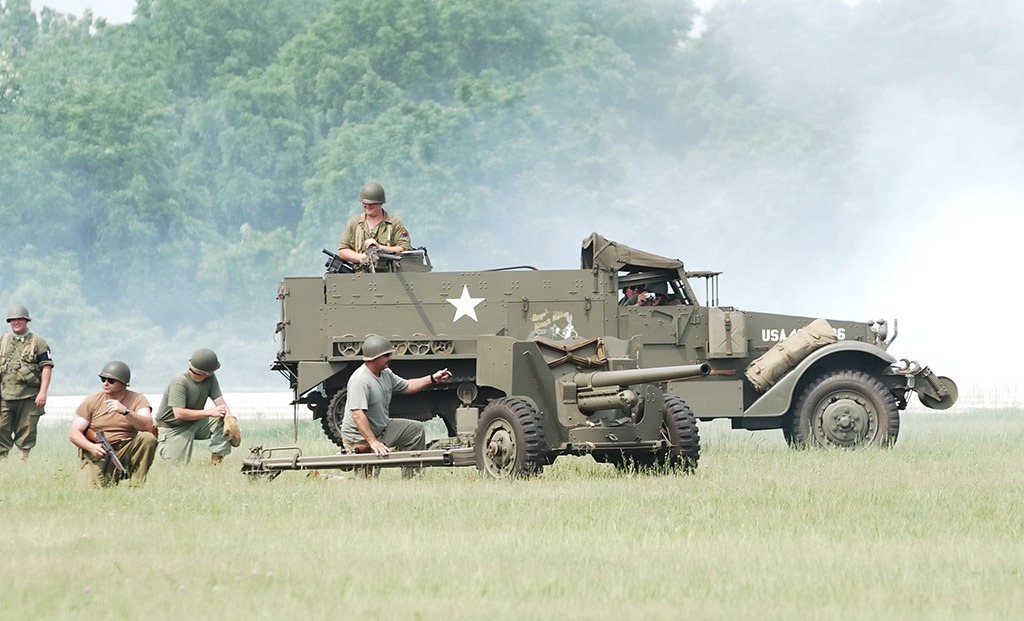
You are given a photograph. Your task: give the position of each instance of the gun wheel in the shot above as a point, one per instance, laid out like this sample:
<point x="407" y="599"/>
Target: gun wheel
<point x="331" y="420"/>
<point x="509" y="441"/>
<point x="679" y="429"/>
<point x="845" y="409"/>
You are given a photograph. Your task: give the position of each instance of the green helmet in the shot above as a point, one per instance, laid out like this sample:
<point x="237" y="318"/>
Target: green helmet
<point x="115" y="369"/>
<point x="376" y="346"/>
<point x="204" y="361"/>
<point x="18" y="312"/>
<point x="372" y="192"/>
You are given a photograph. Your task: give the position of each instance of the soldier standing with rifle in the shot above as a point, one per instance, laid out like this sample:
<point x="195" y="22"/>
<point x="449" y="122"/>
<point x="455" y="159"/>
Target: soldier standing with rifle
<point x="25" y="368"/>
<point x="114" y="431"/>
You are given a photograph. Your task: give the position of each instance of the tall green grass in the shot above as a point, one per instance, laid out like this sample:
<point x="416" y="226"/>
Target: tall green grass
<point x="931" y="529"/>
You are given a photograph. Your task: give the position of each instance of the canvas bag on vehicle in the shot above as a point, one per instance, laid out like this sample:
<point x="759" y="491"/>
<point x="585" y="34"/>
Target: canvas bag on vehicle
<point x="779" y="360"/>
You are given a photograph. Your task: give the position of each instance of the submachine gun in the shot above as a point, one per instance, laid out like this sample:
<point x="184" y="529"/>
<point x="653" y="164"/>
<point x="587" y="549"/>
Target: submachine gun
<point x="111" y="457"/>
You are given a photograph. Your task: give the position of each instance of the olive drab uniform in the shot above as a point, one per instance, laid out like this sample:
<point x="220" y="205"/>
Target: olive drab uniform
<point x="178" y="436"/>
<point x="390" y="232"/>
<point x="22" y="359"/>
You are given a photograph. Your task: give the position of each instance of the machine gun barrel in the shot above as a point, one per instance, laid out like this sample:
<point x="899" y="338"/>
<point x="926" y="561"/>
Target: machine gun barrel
<point x="629" y="377"/>
<point x="387" y="256"/>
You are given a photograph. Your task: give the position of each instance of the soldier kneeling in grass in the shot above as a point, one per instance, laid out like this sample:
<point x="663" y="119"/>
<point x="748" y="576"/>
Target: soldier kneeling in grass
<point x="367" y="425"/>
<point x="184" y="417"/>
<point x="114" y="431"/>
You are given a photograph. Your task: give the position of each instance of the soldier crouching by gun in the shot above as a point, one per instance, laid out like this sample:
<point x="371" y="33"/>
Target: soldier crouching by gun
<point x="114" y="431"/>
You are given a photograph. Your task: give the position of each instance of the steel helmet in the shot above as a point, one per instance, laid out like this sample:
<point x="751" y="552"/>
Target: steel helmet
<point x="204" y="361"/>
<point x="372" y="192"/>
<point x="18" y="312"/>
<point x="376" y="346"/>
<point x="115" y="369"/>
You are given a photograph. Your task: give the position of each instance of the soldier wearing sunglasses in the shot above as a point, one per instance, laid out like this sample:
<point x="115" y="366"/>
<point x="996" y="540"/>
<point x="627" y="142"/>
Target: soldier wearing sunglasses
<point x="125" y="420"/>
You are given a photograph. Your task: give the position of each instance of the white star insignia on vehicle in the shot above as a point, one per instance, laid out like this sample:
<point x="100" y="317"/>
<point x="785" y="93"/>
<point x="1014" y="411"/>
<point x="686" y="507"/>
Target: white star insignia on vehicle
<point x="465" y="306"/>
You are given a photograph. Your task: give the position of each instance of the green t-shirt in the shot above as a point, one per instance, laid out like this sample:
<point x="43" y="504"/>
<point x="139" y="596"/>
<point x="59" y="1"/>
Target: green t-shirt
<point x="185" y="392"/>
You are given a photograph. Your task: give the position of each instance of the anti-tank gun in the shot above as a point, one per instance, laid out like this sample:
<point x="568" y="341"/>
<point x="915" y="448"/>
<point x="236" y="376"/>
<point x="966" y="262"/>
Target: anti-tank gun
<point x="575" y="397"/>
<point x="619" y="413"/>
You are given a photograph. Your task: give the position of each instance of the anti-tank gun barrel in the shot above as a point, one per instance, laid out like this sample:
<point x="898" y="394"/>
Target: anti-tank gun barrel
<point x="607" y="390"/>
<point x="629" y="377"/>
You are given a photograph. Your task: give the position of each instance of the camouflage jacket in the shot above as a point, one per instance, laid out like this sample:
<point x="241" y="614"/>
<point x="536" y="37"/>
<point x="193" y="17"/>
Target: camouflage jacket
<point x="21" y="364"/>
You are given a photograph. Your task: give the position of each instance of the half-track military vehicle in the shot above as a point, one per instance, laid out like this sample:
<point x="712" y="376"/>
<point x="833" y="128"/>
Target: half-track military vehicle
<point x="567" y="397"/>
<point x="822" y="382"/>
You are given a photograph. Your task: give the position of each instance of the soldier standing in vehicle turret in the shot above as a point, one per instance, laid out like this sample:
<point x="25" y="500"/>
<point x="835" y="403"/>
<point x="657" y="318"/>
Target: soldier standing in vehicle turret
<point x="373" y="227"/>
<point x="25" y="368"/>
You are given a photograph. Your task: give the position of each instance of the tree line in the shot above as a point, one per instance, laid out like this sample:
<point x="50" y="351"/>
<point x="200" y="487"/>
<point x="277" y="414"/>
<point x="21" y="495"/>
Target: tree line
<point x="159" y="177"/>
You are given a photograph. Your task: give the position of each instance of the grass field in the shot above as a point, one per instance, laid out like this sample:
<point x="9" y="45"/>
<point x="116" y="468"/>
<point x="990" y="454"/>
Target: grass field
<point x="932" y="529"/>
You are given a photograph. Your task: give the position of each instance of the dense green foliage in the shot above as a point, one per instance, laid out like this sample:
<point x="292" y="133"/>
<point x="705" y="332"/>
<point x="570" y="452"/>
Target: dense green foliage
<point x="157" y="178"/>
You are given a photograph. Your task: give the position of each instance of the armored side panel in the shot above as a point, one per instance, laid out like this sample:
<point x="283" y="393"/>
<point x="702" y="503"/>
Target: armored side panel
<point x="523" y="304"/>
<point x="432" y="318"/>
<point x="302" y="313"/>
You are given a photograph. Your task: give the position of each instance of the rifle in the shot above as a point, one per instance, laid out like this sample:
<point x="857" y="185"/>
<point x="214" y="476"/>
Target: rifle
<point x="111" y="457"/>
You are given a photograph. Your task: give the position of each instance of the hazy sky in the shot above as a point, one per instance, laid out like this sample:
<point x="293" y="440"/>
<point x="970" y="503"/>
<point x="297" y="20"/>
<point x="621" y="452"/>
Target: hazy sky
<point x="116" y="11"/>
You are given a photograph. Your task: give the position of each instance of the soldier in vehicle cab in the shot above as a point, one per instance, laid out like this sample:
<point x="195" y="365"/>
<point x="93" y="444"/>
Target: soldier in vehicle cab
<point x="655" y="295"/>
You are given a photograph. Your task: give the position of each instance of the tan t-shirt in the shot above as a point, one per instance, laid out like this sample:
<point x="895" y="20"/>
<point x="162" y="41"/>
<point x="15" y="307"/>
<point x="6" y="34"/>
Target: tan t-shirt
<point x="116" y="426"/>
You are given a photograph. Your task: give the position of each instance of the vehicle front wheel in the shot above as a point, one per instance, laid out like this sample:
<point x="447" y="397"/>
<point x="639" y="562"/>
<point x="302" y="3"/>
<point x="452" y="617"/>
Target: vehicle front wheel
<point x="509" y="440"/>
<point x="846" y="409"/>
